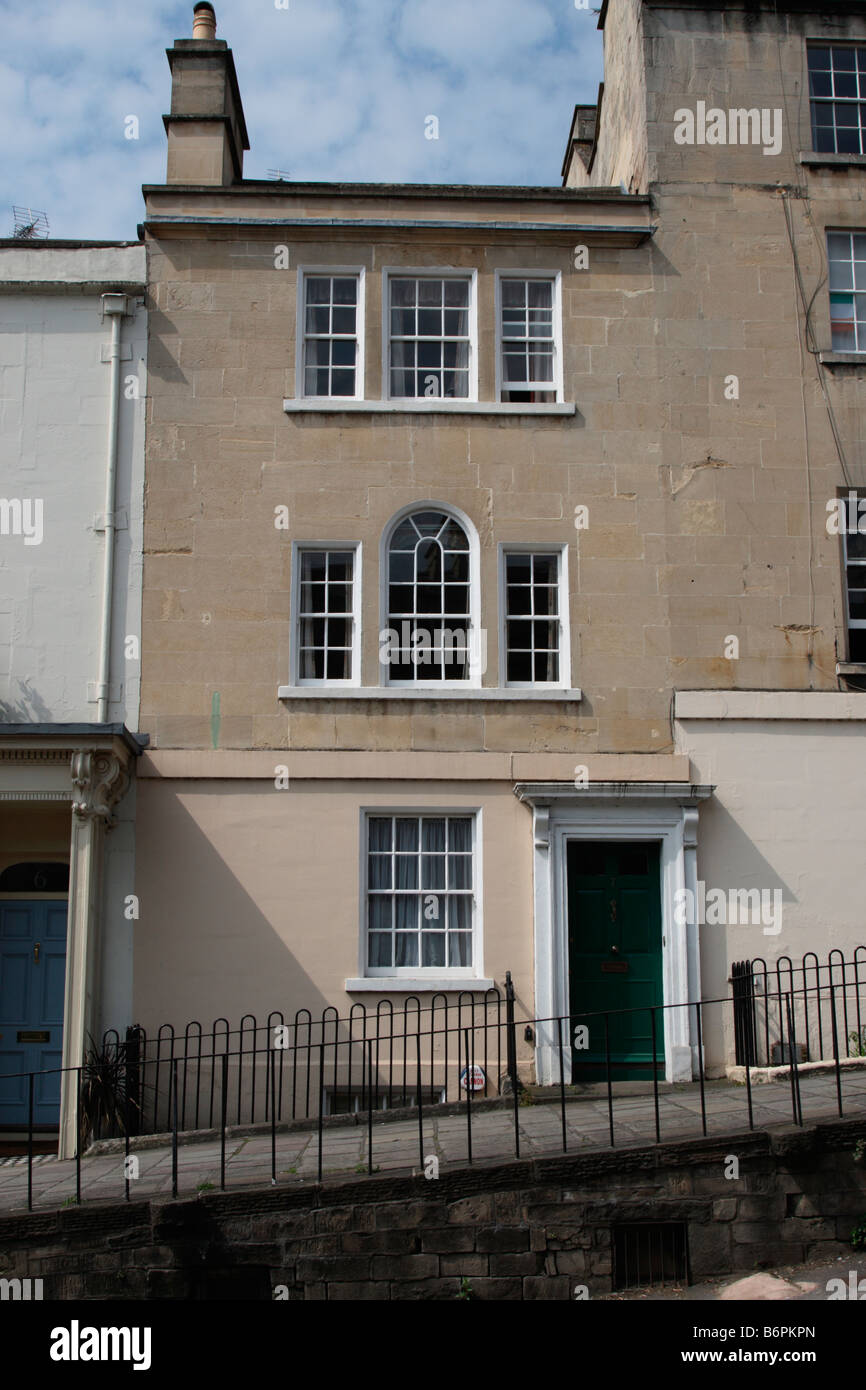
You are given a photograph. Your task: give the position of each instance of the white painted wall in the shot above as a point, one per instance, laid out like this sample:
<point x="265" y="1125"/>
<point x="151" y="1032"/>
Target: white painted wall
<point x="788" y="812"/>
<point x="54" y="391"/>
<point x="54" y="403"/>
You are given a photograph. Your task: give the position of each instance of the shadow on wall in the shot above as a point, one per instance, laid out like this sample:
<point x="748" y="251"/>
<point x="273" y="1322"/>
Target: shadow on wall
<point x="729" y="859"/>
<point x="29" y="708"/>
<point x="203" y="947"/>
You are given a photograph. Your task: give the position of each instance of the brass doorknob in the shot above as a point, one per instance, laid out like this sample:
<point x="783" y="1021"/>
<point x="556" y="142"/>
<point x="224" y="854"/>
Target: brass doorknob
<point x="36" y="952"/>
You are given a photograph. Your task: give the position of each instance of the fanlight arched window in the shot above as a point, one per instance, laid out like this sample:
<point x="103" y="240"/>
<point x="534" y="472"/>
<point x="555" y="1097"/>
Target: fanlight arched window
<point x="32" y="877"/>
<point x="429" y="628"/>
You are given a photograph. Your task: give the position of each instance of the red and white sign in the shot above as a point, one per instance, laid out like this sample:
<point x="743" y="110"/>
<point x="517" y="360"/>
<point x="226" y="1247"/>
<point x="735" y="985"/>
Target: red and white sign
<point x="473" y="1079"/>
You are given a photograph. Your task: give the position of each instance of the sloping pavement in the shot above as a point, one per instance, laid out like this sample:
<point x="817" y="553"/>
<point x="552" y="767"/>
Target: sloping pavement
<point x="397" y="1147"/>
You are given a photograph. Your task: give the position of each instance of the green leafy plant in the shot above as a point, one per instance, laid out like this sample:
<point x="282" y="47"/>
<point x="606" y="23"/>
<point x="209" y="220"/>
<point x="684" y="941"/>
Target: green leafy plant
<point x="465" y="1291"/>
<point x="205" y="1187"/>
<point x="860" y="1153"/>
<point x="362" y="1167"/>
<point x="70" y="1202"/>
<point x="857" y="1041"/>
<point x="105" y="1105"/>
<point x="858" y="1236"/>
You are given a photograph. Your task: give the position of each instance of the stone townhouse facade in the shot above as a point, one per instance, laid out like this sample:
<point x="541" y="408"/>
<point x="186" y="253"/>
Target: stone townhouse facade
<point x="73" y="345"/>
<point x="491" y="602"/>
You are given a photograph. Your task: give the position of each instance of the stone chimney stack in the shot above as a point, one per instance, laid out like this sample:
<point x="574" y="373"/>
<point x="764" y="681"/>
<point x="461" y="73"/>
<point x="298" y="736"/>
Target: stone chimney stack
<point x="204" y="22"/>
<point x="206" y="131"/>
<point x="581" y="143"/>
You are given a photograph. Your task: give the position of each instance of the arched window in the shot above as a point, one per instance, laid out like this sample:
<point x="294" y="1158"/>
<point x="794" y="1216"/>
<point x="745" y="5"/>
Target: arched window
<point x="35" y="878"/>
<point x="430" y="633"/>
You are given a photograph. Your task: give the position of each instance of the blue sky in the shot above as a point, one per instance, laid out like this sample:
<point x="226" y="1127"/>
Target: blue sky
<point x="332" y="89"/>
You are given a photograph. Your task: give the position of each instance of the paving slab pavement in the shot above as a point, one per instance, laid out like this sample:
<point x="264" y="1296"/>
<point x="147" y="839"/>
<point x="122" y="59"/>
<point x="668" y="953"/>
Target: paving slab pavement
<point x="396" y="1146"/>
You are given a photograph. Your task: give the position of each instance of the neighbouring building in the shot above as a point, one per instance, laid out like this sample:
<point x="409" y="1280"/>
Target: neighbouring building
<point x="73" y="344"/>
<point x="501" y="596"/>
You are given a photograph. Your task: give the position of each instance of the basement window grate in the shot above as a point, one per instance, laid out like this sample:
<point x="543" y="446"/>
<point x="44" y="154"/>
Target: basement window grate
<point x="339" y="1102"/>
<point x="650" y="1254"/>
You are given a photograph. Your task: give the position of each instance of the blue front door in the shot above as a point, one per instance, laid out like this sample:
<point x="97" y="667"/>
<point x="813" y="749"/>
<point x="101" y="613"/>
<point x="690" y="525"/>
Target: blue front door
<point x="32" y="976"/>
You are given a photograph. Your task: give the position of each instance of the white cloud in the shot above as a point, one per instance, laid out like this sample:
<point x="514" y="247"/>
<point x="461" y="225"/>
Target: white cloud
<point x="332" y="90"/>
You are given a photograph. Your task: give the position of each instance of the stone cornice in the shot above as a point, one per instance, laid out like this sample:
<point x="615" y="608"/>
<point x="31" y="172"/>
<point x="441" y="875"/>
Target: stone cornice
<point x="33" y="755"/>
<point x="819" y="705"/>
<point x="44" y="741"/>
<point x="543" y="794"/>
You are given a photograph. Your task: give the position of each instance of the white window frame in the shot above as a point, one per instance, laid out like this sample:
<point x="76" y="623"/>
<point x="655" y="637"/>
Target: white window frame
<point x="556" y="277"/>
<point x="306" y="272"/>
<point x="426" y="976"/>
<point x="475" y="677"/>
<point x="849" y="232"/>
<point x="536" y="548"/>
<point x="812" y="43"/>
<point x="851" y="624"/>
<point x="295" y="678"/>
<point x="430" y="273"/>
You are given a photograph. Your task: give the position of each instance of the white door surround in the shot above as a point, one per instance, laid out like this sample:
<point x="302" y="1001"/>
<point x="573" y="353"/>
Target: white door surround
<point x="666" y="812"/>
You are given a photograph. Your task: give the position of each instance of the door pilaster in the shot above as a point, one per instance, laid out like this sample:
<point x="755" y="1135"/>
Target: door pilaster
<point x="99" y="781"/>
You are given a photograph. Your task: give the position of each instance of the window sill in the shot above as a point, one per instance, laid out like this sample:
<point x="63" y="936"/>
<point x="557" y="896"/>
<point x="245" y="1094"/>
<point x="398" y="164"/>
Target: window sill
<point x="427" y="692"/>
<point x="851" y="668"/>
<point x="415" y="984"/>
<point x="842" y="359"/>
<point x="833" y="161"/>
<point x="434" y="406"/>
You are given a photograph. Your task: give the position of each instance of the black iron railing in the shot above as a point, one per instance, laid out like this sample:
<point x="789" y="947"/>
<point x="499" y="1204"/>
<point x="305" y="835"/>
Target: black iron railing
<point x="760" y="1022"/>
<point x="418" y="1057"/>
<point x="303" y="1065"/>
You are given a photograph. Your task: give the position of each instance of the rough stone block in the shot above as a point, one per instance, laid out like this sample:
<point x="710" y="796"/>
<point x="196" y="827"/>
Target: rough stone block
<point x="499" y="1239"/>
<point x="401" y="1267"/>
<point x="546" y="1288"/>
<point x="463" y="1265"/>
<point x="368" y="1292"/>
<point x="488" y="1290"/>
<point x="448" y="1240"/>
<point x="526" y="1262"/>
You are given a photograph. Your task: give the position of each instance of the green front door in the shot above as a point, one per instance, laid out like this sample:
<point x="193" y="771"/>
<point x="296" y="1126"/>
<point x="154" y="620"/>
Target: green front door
<point x="615" y="956"/>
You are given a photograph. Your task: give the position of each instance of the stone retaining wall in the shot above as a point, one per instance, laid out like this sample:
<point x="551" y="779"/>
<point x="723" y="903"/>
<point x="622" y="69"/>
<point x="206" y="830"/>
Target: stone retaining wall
<point x="523" y="1230"/>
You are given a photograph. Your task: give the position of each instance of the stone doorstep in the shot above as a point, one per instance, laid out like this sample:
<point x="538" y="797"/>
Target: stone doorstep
<point x="765" y="1076"/>
<point x="597" y="1090"/>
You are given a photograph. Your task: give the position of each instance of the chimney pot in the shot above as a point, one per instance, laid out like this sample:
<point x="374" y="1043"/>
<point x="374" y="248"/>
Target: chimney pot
<point x="204" y="22"/>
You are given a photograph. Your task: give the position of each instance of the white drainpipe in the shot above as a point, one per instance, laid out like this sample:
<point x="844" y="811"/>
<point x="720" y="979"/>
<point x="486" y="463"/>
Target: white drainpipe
<point x="114" y="306"/>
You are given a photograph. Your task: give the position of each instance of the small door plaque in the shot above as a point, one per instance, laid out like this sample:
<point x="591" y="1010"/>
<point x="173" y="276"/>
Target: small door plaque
<point x="614" y="967"/>
<point x="34" y="1037"/>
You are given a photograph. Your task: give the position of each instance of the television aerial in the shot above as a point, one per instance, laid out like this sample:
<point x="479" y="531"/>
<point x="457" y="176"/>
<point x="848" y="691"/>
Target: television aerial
<point x="30" y="225"/>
